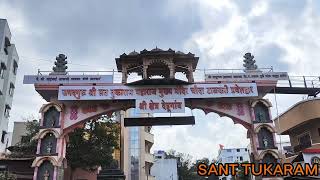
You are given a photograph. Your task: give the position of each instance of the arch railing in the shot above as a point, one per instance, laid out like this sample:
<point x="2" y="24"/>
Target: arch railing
<point x="199" y="76"/>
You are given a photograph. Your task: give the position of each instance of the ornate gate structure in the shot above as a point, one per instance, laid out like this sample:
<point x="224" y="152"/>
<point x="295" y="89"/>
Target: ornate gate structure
<point x="74" y="99"/>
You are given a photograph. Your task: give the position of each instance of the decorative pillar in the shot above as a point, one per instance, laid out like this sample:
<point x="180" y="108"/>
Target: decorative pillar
<point x="124" y="74"/>
<point x="55" y="173"/>
<point x="38" y="146"/>
<point x="48" y="152"/>
<point x="145" y="74"/>
<point x="190" y="74"/>
<point x="264" y="132"/>
<point x="35" y="173"/>
<point x="172" y="70"/>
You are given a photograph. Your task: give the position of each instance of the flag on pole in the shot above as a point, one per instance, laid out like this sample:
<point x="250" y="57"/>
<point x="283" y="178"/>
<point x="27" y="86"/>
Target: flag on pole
<point x="221" y="146"/>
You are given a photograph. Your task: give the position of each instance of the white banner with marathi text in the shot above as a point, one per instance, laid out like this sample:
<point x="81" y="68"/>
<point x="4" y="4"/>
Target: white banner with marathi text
<point x="157" y="92"/>
<point x="160" y="105"/>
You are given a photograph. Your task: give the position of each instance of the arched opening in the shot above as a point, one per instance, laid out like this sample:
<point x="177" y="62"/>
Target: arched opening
<point x="48" y="144"/>
<point x="158" y="69"/>
<point x="208" y="126"/>
<point x="46" y="170"/>
<point x="181" y="72"/>
<point x="257" y="129"/>
<point x="261" y="113"/>
<point x="134" y="72"/>
<point x="51" y="118"/>
<point x="44" y="133"/>
<point x="265" y="138"/>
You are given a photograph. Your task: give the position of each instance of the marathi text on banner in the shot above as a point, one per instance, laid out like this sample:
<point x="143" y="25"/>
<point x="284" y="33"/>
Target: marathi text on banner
<point x="160" y="106"/>
<point x="66" y="79"/>
<point x="157" y="92"/>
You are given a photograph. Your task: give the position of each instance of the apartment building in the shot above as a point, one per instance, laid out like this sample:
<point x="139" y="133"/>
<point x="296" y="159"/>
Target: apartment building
<point x="8" y="70"/>
<point x="232" y="155"/>
<point x="164" y="168"/>
<point x="301" y="123"/>
<point x="137" y="142"/>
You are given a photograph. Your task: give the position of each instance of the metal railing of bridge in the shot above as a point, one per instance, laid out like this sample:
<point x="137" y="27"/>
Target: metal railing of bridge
<point x="199" y="76"/>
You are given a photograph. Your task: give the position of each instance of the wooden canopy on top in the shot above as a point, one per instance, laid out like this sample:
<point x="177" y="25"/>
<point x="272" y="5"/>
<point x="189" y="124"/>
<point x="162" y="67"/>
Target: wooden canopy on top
<point x="157" y="62"/>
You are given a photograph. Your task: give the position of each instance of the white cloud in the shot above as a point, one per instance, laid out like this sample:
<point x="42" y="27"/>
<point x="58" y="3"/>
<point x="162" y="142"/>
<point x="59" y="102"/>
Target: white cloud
<point x="221" y="45"/>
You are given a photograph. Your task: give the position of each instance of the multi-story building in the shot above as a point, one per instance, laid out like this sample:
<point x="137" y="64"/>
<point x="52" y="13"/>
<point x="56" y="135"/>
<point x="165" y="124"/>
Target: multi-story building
<point x="19" y="133"/>
<point x="233" y="155"/>
<point x="136" y="142"/>
<point x="301" y="123"/>
<point x="164" y="168"/>
<point x="8" y="70"/>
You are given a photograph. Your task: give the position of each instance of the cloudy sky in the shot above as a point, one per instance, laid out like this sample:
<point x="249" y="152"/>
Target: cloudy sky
<point x="282" y="34"/>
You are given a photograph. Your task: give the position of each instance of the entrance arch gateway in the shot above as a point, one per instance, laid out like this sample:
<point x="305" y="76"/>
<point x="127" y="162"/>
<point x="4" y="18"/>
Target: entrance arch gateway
<point x="75" y="99"/>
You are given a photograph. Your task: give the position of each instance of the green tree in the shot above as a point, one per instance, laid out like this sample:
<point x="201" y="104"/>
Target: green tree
<point x="184" y="163"/>
<point x="240" y="172"/>
<point x="28" y="145"/>
<point x="6" y="175"/>
<point x="92" y="146"/>
<point x="187" y="169"/>
<point x="89" y="147"/>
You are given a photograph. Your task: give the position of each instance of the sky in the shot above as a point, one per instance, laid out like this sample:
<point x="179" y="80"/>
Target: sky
<point x="281" y="34"/>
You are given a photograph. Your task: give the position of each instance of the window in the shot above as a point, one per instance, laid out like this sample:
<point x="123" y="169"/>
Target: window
<point x="265" y="138"/>
<point x="6" y="45"/>
<point x="15" y="67"/>
<point x="51" y="117"/>
<point x="7" y="111"/>
<point x="261" y="113"/>
<point x="246" y="149"/>
<point x="305" y="140"/>
<point x="3" y="136"/>
<point x="11" y="89"/>
<point x="3" y="67"/>
<point x="238" y="150"/>
<point x="319" y="131"/>
<point x="241" y="158"/>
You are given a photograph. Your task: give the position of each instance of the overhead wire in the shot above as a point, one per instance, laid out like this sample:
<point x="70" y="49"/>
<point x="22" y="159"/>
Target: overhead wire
<point x="278" y="118"/>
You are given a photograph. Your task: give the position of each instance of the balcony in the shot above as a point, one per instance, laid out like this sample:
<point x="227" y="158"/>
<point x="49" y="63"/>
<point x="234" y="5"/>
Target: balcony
<point x="149" y="137"/>
<point x="149" y="158"/>
<point x="301" y="147"/>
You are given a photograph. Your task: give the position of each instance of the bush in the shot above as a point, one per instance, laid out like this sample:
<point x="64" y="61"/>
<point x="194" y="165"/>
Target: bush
<point x="7" y="176"/>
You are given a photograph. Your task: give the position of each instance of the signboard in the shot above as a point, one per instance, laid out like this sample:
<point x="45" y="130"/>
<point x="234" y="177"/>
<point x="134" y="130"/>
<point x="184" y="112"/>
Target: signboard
<point x="157" y="92"/>
<point x="160" y="105"/>
<point x="250" y="76"/>
<point x="66" y="79"/>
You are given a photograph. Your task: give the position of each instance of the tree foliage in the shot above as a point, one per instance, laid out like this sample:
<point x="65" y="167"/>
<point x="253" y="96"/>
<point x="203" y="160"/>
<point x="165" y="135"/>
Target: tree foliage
<point x="5" y="175"/>
<point x="240" y="172"/>
<point x="27" y="147"/>
<point x="187" y="168"/>
<point x="93" y="145"/>
<point x="88" y="148"/>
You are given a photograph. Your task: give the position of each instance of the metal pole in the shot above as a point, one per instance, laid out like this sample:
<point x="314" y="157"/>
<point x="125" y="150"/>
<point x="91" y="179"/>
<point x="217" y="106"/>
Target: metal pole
<point x="289" y="81"/>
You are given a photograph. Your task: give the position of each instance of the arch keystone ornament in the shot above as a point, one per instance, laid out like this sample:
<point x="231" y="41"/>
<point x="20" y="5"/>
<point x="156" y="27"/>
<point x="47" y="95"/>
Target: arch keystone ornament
<point x="75" y="99"/>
